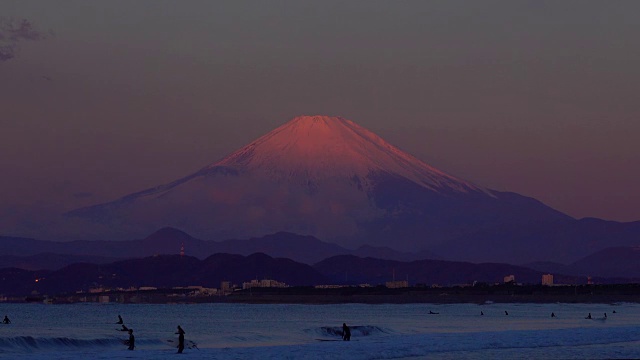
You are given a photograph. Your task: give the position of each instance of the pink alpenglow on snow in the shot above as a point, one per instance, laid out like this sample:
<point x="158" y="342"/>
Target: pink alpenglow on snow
<point x="320" y="147"/>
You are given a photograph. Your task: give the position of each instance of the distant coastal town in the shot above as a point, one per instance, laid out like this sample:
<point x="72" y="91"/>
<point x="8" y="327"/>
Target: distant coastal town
<point x="397" y="291"/>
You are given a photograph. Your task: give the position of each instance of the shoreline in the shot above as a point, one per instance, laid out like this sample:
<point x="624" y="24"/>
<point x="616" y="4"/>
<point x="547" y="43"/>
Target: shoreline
<point x="588" y="294"/>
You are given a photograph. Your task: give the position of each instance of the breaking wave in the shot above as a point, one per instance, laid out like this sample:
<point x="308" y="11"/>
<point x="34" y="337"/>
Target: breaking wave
<point x="356" y="331"/>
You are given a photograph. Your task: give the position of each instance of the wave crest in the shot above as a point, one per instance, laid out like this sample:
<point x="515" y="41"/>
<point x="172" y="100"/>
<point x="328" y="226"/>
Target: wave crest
<point x="356" y="331"/>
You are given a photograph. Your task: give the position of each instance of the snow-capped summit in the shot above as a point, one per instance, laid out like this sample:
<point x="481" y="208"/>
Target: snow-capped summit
<point x="313" y="148"/>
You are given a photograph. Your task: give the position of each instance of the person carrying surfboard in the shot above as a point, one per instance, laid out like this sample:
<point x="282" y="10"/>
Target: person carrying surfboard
<point x="6" y="320"/>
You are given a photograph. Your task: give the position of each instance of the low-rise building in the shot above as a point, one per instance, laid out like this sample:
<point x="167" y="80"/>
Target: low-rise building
<point x="547" y="279"/>
<point x="265" y="283"/>
<point x="225" y="287"/>
<point x="397" y="284"/>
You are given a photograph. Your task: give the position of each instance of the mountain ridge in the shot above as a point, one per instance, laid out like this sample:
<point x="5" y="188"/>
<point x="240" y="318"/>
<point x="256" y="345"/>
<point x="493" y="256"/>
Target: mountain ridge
<point x="31" y="253"/>
<point x="166" y="271"/>
<point x="158" y="271"/>
<point x="335" y="180"/>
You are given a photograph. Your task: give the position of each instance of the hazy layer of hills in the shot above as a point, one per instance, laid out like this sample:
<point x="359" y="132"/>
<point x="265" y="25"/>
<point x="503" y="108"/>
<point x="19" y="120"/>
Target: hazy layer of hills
<point x="266" y="257"/>
<point x="165" y="271"/>
<point x="31" y="254"/>
<point x="37" y="254"/>
<point x="621" y="262"/>
<point x="158" y="271"/>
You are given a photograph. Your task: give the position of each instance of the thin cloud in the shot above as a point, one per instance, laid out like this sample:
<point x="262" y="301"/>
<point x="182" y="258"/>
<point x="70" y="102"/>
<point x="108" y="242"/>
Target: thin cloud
<point x="13" y="32"/>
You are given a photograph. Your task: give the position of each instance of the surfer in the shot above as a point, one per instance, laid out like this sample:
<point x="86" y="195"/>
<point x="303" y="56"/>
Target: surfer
<point x="605" y="315"/>
<point x="553" y="315"/>
<point x="433" y="313"/>
<point x="506" y="313"/>
<point x="588" y="316"/>
<point x="6" y="320"/>
<point x="132" y="340"/>
<point x="614" y="311"/>
<point x="346" y="333"/>
<point x="481" y="313"/>
<point x="180" y="339"/>
<point x="120" y="320"/>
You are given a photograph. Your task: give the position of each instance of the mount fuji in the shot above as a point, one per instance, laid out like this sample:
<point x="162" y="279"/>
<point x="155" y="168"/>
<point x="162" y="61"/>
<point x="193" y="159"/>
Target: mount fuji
<point x="333" y="179"/>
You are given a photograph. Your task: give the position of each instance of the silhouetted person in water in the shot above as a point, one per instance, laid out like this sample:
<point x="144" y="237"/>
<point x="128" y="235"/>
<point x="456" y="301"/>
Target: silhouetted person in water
<point x="6" y="320"/>
<point x="506" y="313"/>
<point x="180" y="339"/>
<point x="124" y="328"/>
<point x="346" y="333"/>
<point x="553" y="315"/>
<point x="132" y="340"/>
<point x="588" y="316"/>
<point x="481" y="313"/>
<point x="605" y="315"/>
<point x="120" y="320"/>
<point x="614" y="311"/>
<point x="432" y="313"/>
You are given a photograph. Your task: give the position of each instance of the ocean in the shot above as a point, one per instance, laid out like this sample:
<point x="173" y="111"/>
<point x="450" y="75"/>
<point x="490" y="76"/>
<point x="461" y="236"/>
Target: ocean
<point x="386" y="331"/>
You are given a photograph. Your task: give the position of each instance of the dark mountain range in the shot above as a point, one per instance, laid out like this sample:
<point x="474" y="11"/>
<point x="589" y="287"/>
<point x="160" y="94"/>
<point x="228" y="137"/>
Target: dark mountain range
<point x="619" y="262"/>
<point x="50" y="261"/>
<point x="158" y="271"/>
<point x="611" y="262"/>
<point x="26" y="254"/>
<point x="349" y="269"/>
<point x="164" y="271"/>
<point x="332" y="179"/>
<point x="550" y="267"/>
<point x="561" y="241"/>
<point x="308" y="249"/>
<point x="388" y="253"/>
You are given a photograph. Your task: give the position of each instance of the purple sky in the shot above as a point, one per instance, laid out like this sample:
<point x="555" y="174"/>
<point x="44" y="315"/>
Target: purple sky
<point x="535" y="97"/>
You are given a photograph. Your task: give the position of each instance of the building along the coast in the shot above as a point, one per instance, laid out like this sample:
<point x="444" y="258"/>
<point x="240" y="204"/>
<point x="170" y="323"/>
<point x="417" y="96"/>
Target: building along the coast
<point x="397" y="284"/>
<point x="265" y="283"/>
